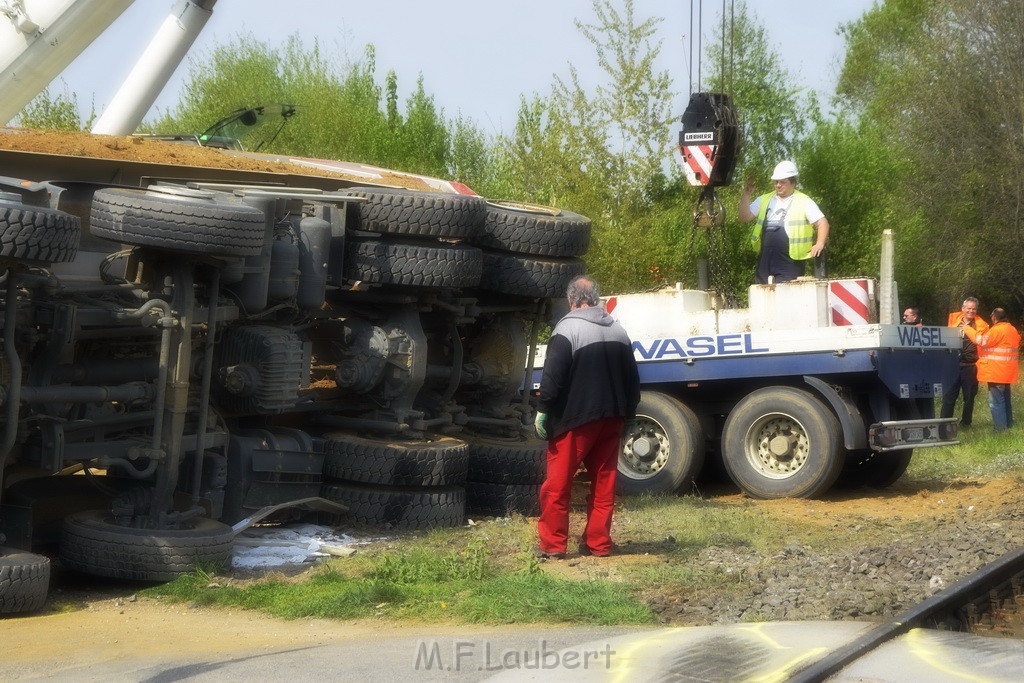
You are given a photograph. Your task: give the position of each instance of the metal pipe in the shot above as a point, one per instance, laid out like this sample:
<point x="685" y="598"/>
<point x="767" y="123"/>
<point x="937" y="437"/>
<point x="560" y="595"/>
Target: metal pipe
<point x="538" y="317"/>
<point x="154" y="68"/>
<point x="129" y="467"/>
<point x="204" y="390"/>
<point x="14" y="364"/>
<point x="358" y="423"/>
<point x="161" y="384"/>
<point x="176" y="405"/>
<point x="132" y="391"/>
<point x="144" y="309"/>
<point x="106" y="371"/>
<point x="887" y="313"/>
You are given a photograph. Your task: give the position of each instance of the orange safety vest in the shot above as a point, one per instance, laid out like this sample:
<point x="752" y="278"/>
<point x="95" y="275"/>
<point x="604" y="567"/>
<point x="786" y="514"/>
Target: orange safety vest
<point x="998" y="352"/>
<point x="979" y="324"/>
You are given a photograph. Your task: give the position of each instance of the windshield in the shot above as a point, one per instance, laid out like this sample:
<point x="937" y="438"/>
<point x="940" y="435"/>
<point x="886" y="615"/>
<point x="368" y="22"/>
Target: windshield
<point x="248" y="129"/>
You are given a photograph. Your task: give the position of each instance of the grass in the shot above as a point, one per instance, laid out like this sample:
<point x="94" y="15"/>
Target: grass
<point x="487" y="573"/>
<point x="981" y="453"/>
<point x="423" y="585"/>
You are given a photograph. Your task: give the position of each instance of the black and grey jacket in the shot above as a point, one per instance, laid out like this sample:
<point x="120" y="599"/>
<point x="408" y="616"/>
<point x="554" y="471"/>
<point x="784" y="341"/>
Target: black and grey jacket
<point x="589" y="372"/>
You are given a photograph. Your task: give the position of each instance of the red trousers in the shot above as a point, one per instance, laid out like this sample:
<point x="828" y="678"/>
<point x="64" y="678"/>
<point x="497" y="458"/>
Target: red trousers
<point x="596" y="446"/>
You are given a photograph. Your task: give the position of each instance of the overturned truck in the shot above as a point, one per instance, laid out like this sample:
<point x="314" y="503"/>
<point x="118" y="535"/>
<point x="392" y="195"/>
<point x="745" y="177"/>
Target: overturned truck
<point x="184" y="347"/>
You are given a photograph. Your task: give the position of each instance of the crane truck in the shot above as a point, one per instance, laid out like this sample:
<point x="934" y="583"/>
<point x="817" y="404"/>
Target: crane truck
<point x="188" y="349"/>
<point x="812" y="384"/>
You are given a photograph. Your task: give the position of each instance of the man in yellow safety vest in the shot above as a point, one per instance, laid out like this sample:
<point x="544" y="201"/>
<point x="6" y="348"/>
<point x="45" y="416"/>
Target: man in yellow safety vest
<point x="789" y="227"/>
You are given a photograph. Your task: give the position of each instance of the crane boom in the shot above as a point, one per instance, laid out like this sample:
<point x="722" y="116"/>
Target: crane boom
<point x="40" y="38"/>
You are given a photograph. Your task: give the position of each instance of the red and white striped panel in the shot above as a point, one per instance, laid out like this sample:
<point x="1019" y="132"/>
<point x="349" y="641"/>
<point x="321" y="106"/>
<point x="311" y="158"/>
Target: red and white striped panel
<point x="697" y="161"/>
<point x="848" y="300"/>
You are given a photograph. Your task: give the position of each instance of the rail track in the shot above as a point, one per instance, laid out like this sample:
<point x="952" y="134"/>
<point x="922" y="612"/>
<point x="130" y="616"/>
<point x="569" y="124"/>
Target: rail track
<point x="962" y="606"/>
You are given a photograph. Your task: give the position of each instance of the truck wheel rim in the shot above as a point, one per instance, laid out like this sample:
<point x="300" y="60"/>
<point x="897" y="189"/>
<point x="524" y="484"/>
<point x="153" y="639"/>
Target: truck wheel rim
<point x="646" y="450"/>
<point x="777" y="446"/>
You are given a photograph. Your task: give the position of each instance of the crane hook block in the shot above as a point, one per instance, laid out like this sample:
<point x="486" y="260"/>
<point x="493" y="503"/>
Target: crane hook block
<point x="709" y="212"/>
<point x="710" y="140"/>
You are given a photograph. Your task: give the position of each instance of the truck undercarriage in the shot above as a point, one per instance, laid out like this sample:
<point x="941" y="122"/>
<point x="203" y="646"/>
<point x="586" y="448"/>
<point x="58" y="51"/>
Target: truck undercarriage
<point x="179" y="355"/>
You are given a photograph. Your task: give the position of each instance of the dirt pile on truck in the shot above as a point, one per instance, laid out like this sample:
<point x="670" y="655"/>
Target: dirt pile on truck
<point x="143" y="150"/>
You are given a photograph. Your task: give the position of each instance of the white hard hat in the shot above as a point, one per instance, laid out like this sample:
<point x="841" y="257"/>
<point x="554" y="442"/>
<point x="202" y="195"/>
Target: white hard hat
<point x="784" y="169"/>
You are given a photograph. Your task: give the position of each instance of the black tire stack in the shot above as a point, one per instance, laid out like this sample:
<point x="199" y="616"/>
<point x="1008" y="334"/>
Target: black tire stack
<point x="530" y="250"/>
<point x="37" y="234"/>
<point x="418" y="238"/>
<point x="504" y="476"/>
<point x="404" y="485"/>
<point x="24" y="581"/>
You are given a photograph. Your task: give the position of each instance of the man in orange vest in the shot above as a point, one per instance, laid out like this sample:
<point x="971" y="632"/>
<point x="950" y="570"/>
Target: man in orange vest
<point x="967" y="378"/>
<point x="998" y="352"/>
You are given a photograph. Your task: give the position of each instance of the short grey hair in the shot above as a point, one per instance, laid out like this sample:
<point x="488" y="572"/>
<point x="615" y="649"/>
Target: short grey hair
<point x="583" y="290"/>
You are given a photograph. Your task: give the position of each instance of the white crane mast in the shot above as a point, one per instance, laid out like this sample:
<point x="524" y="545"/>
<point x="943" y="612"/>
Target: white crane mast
<point x="40" y="38"/>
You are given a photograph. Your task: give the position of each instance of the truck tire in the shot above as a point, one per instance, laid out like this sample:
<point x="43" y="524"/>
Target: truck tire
<point x="781" y="442"/>
<point x="419" y="265"/>
<point x="666" y="451"/>
<point x="408" y="509"/>
<point x="90" y="543"/>
<point x="24" y="581"/>
<point x="37" y="234"/>
<point x="438" y="461"/>
<point x="539" y="230"/>
<point x="507" y="461"/>
<point x="184" y="224"/>
<point x="502" y="500"/>
<point x="872" y="469"/>
<point x="423" y="214"/>
<point x="528" y="276"/>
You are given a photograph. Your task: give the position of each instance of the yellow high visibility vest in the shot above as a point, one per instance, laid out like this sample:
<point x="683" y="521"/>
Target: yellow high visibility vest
<point x="798" y="230"/>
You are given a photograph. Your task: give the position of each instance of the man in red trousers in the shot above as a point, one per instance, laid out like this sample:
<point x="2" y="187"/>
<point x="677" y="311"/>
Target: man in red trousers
<point x="589" y="388"/>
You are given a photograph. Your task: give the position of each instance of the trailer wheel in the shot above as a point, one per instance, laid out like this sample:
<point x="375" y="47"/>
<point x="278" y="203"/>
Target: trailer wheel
<point x="24" y="581"/>
<point x="190" y="223"/>
<point x="506" y="461"/>
<point x="431" y="462"/>
<point x="528" y="276"/>
<point x="666" y="450"/>
<point x="781" y="442"/>
<point x="418" y="265"/>
<point x="424" y="214"/>
<point x="37" y="234"/>
<point x="502" y="500"/>
<point x="92" y="544"/>
<point x="394" y="507"/>
<point x="529" y="229"/>
<point x="874" y="470"/>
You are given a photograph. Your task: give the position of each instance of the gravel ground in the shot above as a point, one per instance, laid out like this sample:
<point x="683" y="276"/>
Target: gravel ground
<point x="865" y="582"/>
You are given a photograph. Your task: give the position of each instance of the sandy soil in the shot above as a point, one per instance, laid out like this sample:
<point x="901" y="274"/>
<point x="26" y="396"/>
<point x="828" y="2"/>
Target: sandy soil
<point x="130" y="148"/>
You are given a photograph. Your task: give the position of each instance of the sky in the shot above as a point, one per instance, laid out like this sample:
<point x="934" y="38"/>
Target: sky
<point x="477" y="57"/>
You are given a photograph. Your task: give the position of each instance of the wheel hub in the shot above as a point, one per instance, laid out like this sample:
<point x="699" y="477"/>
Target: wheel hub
<point x="777" y="446"/>
<point x="782" y="446"/>
<point x="645" y="451"/>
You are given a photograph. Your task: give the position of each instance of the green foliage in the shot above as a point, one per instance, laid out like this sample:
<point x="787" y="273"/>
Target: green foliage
<point x="599" y="153"/>
<point x="344" y="113"/>
<point x="943" y="80"/>
<point x="58" y="111"/>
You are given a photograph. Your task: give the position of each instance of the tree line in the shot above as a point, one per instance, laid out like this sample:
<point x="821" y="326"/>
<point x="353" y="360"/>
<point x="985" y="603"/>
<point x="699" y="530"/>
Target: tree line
<point x="924" y="135"/>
